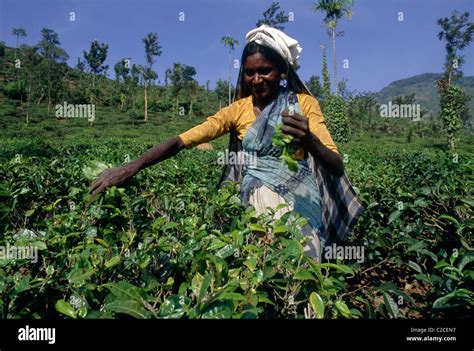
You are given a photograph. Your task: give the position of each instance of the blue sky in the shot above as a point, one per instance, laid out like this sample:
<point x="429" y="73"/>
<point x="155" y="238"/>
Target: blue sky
<point x="380" y="49"/>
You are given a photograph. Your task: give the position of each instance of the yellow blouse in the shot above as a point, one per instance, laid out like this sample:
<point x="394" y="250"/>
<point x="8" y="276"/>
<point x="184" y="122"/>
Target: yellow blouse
<point x="240" y="116"/>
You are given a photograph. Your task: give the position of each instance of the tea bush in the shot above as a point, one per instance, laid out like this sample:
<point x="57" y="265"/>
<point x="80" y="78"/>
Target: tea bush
<point x="170" y="245"/>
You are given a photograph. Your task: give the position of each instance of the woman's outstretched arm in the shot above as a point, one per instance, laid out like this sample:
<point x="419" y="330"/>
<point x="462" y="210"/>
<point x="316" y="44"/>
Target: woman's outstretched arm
<point x="120" y="175"/>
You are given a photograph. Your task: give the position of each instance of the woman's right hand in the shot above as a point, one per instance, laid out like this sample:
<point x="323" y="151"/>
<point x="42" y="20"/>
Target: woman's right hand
<point x="120" y="175"/>
<point x="111" y="177"/>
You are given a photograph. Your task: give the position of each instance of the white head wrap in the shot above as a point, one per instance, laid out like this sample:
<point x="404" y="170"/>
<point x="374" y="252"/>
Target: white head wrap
<point x="287" y="47"/>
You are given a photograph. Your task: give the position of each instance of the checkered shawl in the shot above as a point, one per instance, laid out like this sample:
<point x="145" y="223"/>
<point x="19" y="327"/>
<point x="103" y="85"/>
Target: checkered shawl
<point x="298" y="188"/>
<point x="339" y="204"/>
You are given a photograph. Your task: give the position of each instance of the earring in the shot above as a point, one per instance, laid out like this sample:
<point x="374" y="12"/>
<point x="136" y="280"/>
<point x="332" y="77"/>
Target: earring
<point x="283" y="80"/>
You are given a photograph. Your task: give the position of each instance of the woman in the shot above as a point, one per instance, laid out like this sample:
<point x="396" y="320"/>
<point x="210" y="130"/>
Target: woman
<point x="318" y="190"/>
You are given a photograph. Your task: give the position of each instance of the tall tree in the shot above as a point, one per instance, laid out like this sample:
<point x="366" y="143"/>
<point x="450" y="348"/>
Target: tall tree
<point x="273" y="17"/>
<point x="81" y="91"/>
<point x="454" y="104"/>
<point x="53" y="55"/>
<point x="314" y="86"/>
<point x="152" y="50"/>
<point x="326" y="80"/>
<point x="221" y="89"/>
<point x="180" y="77"/>
<point x="18" y="32"/>
<point x="231" y="43"/>
<point x="95" y="59"/>
<point x="457" y="32"/>
<point x="49" y="46"/>
<point x="192" y="88"/>
<point x="344" y="92"/>
<point x="333" y="107"/>
<point x="122" y="75"/>
<point x="333" y="10"/>
<point x="122" y="70"/>
<point x="362" y="106"/>
<point x="30" y="74"/>
<point x="134" y="81"/>
<point x="167" y="76"/>
<point x="80" y="65"/>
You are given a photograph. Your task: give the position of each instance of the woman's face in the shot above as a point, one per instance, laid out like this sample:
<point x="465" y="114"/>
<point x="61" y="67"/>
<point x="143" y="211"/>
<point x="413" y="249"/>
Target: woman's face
<point x="262" y="77"/>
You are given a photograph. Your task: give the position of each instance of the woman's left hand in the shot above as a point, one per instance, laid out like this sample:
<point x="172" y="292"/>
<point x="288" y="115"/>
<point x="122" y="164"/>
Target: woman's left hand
<point x="297" y="126"/>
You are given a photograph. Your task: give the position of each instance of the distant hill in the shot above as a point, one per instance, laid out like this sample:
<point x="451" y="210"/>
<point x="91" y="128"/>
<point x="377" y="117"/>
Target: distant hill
<point x="426" y="94"/>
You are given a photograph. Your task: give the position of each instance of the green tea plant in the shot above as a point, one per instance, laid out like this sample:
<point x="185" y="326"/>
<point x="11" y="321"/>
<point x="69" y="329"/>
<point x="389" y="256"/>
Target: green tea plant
<point x="170" y="245"/>
<point x="284" y="141"/>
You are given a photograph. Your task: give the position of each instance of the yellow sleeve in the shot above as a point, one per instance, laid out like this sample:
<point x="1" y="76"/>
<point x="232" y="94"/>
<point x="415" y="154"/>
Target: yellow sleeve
<point x="212" y="128"/>
<point x="311" y="109"/>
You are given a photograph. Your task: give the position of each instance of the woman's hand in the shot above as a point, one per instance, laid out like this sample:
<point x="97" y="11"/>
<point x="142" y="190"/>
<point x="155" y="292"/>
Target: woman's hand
<point x="297" y="126"/>
<point x="120" y="175"/>
<point x="112" y="176"/>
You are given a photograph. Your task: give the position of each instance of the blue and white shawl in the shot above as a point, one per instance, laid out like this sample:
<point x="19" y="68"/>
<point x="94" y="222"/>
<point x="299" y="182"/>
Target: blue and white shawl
<point x="299" y="189"/>
<point x="339" y="205"/>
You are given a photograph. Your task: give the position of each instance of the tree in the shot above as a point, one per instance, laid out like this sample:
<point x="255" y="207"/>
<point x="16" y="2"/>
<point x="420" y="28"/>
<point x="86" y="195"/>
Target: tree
<point x="344" y="92"/>
<point x="30" y="74"/>
<point x="453" y="105"/>
<point x="334" y="107"/>
<point x="95" y="59"/>
<point x="180" y="77"/>
<point x="152" y="50"/>
<point x="333" y="11"/>
<point x="53" y="55"/>
<point x="80" y="94"/>
<point x="49" y="46"/>
<point x="231" y="43"/>
<point x="457" y="32"/>
<point x="134" y="80"/>
<point x="221" y="90"/>
<point x="336" y="118"/>
<point x="122" y="70"/>
<point x="192" y="89"/>
<point x="167" y="76"/>
<point x="407" y="99"/>
<point x="326" y="80"/>
<point x="80" y="65"/>
<point x="18" y="32"/>
<point x="314" y="86"/>
<point x="122" y="75"/>
<point x="362" y="106"/>
<point x="273" y="18"/>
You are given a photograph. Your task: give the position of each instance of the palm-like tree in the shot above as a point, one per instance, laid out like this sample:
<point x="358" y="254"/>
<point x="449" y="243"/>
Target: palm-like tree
<point x="333" y="10"/>
<point x="18" y="32"/>
<point x="152" y="49"/>
<point x="231" y="43"/>
<point x="326" y="80"/>
<point x="168" y="73"/>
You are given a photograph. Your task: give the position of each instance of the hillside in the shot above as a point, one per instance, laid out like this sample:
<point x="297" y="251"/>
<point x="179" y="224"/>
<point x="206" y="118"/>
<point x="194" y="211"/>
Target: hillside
<point x="424" y="87"/>
<point x="207" y="102"/>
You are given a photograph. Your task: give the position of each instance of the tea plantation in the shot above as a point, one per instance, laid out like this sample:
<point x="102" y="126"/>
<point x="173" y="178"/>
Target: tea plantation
<point x="170" y="245"/>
